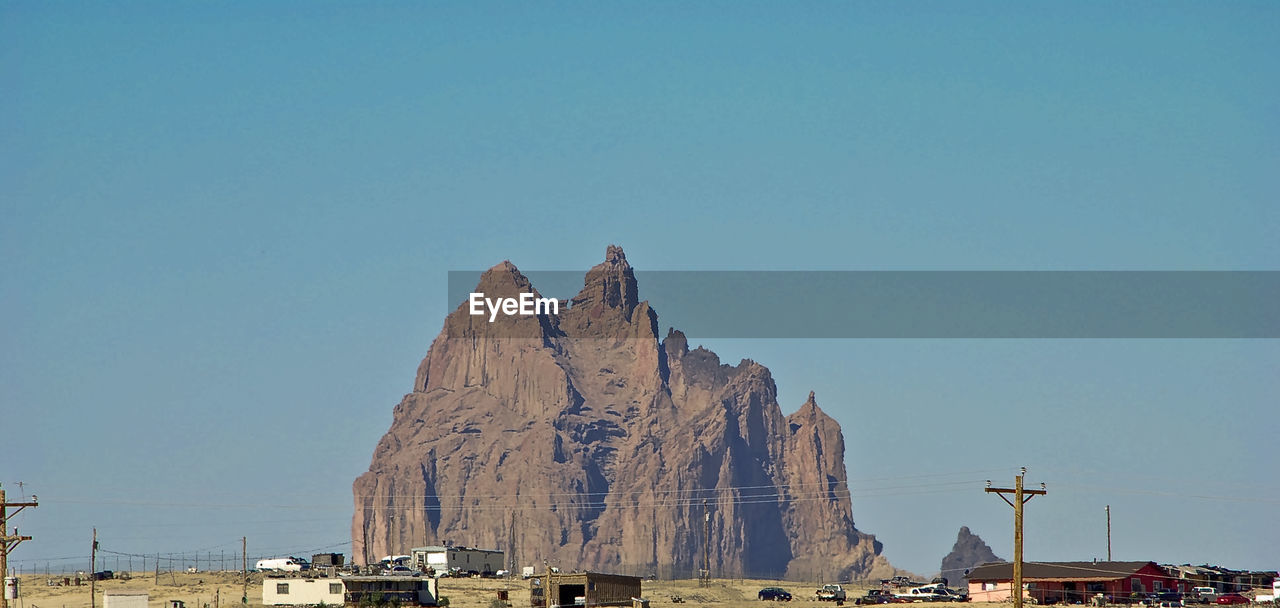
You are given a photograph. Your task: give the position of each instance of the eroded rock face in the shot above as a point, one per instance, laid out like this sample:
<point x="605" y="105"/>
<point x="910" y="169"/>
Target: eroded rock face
<point x="585" y="440"/>
<point x="969" y="551"/>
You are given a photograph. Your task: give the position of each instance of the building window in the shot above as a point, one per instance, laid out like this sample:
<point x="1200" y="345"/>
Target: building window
<point x="282" y="588"/>
<point x="1157" y="586"/>
<point x="335" y="588"/>
<point x="988" y="586"/>
<point x="1135" y="585"/>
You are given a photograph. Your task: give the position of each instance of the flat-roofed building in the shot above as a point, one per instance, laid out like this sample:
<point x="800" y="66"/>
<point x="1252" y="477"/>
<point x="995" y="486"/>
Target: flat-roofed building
<point x="299" y="591"/>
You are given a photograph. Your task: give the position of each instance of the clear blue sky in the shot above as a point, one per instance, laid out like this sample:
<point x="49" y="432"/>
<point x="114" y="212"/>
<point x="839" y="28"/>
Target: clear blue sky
<point x="226" y="231"/>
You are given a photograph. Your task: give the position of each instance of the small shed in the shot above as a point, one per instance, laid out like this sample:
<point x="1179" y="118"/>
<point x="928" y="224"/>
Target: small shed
<point x="586" y="589"/>
<point x="327" y="560"/>
<point x="125" y="599"/>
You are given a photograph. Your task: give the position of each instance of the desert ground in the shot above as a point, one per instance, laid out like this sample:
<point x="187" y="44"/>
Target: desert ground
<point x="223" y="590"/>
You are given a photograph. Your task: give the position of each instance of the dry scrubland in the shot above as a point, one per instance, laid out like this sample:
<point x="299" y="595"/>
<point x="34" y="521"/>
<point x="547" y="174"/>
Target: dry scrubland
<point x="222" y="590"/>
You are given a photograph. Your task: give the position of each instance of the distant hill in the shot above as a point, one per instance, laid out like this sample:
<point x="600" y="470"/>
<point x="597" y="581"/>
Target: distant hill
<point x="584" y="440"/>
<point x="969" y="551"/>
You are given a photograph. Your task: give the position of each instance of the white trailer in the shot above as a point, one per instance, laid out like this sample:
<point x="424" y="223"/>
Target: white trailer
<point x="302" y="591"/>
<point x="458" y="560"/>
<point x="281" y="564"/>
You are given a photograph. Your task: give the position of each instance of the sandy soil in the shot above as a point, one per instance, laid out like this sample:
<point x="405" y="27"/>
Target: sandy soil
<point x="223" y="590"/>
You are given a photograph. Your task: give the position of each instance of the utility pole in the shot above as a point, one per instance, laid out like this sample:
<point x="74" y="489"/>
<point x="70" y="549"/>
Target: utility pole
<point x="93" y="570"/>
<point x="706" y="545"/>
<point x="9" y="541"/>
<point x="1020" y="498"/>
<point x="511" y="547"/>
<point x="1108" y="532"/>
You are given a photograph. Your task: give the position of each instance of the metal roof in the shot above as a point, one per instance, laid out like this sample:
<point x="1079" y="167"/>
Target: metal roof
<point x="440" y="549"/>
<point x="1058" y="571"/>
<point x="373" y="578"/>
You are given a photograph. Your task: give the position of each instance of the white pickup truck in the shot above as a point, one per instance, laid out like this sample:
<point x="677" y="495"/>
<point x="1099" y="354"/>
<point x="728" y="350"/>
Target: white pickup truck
<point x="936" y="592"/>
<point x="831" y="593"/>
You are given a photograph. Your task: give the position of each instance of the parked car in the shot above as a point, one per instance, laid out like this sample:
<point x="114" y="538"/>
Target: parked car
<point x="776" y="594"/>
<point x="927" y="593"/>
<point x="1203" y="595"/>
<point x="875" y="596"/>
<point x="1172" y="598"/>
<point x="401" y="571"/>
<point x="1232" y="598"/>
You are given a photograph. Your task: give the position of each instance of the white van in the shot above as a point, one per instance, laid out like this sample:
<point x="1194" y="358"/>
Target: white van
<point x="281" y="564"/>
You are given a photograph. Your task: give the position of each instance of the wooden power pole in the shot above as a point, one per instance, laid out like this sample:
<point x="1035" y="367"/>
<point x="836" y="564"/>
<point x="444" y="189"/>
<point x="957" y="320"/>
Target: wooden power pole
<point x="1108" y="532"/>
<point x="93" y="570"/>
<point x="9" y="541"/>
<point x="1020" y="498"/>
<point x="706" y="545"/>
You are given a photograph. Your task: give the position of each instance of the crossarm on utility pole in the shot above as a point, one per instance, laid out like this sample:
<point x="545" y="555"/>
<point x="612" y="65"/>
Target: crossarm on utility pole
<point x="1000" y="492"/>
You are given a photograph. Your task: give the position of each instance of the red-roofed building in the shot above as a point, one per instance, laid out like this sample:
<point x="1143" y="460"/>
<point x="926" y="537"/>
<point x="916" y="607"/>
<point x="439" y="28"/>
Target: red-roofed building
<point x="1070" y="582"/>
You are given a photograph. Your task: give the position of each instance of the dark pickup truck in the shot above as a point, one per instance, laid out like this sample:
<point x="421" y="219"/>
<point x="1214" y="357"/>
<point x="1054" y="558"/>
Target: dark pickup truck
<point x="875" y="596"/>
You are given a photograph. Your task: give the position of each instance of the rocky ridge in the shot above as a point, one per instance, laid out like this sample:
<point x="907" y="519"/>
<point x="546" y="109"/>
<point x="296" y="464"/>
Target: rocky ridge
<point x="969" y="551"/>
<point x="587" y="440"/>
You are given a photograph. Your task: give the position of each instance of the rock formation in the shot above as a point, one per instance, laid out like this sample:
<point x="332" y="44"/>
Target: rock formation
<point x="587" y="440"/>
<point x="969" y="551"/>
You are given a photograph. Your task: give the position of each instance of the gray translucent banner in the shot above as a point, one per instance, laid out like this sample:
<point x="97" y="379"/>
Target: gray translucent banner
<point x="941" y="304"/>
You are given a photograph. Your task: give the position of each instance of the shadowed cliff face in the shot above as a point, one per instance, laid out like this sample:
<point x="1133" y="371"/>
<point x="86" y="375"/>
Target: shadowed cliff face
<point x="969" y="551"/>
<point x="585" y="440"/>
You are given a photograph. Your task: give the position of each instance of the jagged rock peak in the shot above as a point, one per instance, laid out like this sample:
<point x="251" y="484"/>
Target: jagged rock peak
<point x="810" y="410"/>
<point x="676" y="343"/>
<point x="613" y="254"/>
<point x="969" y="551"/>
<point x="503" y="275"/>
<point x="609" y="285"/>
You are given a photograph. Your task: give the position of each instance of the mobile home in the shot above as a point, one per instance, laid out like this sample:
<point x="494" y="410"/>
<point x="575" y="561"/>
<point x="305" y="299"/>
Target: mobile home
<point x="462" y="560"/>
